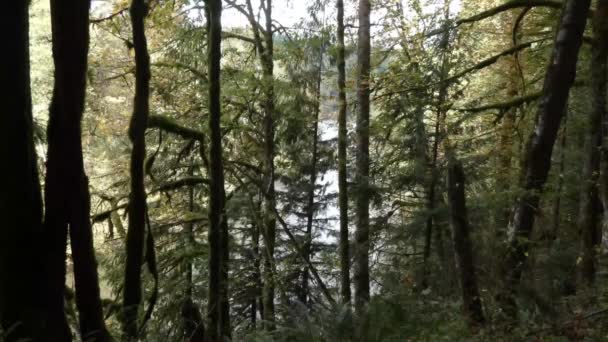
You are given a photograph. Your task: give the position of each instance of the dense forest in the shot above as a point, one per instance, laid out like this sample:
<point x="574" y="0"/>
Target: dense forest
<point x="321" y="170"/>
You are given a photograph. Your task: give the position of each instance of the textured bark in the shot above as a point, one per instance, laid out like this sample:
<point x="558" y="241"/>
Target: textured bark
<point x="20" y="197"/>
<point x="67" y="195"/>
<point x="218" y="328"/>
<point x="557" y="199"/>
<point x="558" y="81"/>
<point x="590" y="206"/>
<point x="463" y="246"/>
<point x="361" y="275"/>
<point x="342" y="160"/>
<point x="137" y="197"/>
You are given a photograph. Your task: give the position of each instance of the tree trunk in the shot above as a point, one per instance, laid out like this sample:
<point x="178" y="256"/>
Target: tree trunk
<point x="557" y="200"/>
<point x="194" y="327"/>
<point x="362" y="176"/>
<point x="137" y="197"/>
<point x="67" y="200"/>
<point x="257" y="281"/>
<point x="219" y="321"/>
<point x="431" y="204"/>
<point x="342" y="161"/>
<point x="266" y="56"/>
<point x="310" y="207"/>
<point x="20" y="197"/>
<point x="462" y="243"/>
<point x="590" y="205"/>
<point x="559" y="78"/>
<point x="440" y="138"/>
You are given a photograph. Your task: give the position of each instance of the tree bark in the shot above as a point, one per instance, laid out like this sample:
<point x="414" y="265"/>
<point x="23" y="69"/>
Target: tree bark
<point x="557" y="199"/>
<point x="20" y="197"/>
<point x="558" y="81"/>
<point x="590" y="212"/>
<point x="463" y="246"/>
<point x="219" y="321"/>
<point x="137" y="197"/>
<point x="361" y="275"/>
<point x="342" y="161"/>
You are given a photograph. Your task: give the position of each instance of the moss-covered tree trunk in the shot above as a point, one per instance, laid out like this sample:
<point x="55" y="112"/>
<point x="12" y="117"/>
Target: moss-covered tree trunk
<point x="559" y="78"/>
<point x="137" y="197"/>
<point x="361" y="275"/>
<point x="590" y="212"/>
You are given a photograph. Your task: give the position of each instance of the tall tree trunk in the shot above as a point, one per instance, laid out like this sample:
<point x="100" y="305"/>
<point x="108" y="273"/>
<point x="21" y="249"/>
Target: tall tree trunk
<point x="590" y="205"/>
<point x="462" y="243"/>
<point x="137" y="197"/>
<point x="219" y="320"/>
<point x="361" y="276"/>
<point x="342" y="160"/>
<point x="559" y="78"/>
<point x="270" y="197"/>
<point x="310" y="207"/>
<point x="67" y="200"/>
<point x="20" y="198"/>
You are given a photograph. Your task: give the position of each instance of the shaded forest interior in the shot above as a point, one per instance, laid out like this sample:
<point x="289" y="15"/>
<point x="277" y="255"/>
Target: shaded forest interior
<point x="320" y="170"/>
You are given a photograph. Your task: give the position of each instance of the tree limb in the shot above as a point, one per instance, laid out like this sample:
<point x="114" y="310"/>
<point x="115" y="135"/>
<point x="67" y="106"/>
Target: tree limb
<point x="169" y="125"/>
<point x="497" y="10"/>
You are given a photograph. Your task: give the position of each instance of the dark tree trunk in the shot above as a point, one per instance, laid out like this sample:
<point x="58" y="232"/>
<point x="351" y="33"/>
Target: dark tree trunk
<point x="20" y="197"/>
<point x="590" y="206"/>
<point x="462" y="243"/>
<point x="362" y="176"/>
<point x="342" y="161"/>
<point x="559" y="78"/>
<point x="137" y="197"/>
<point x="219" y="320"/>
<point x="67" y="197"/>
